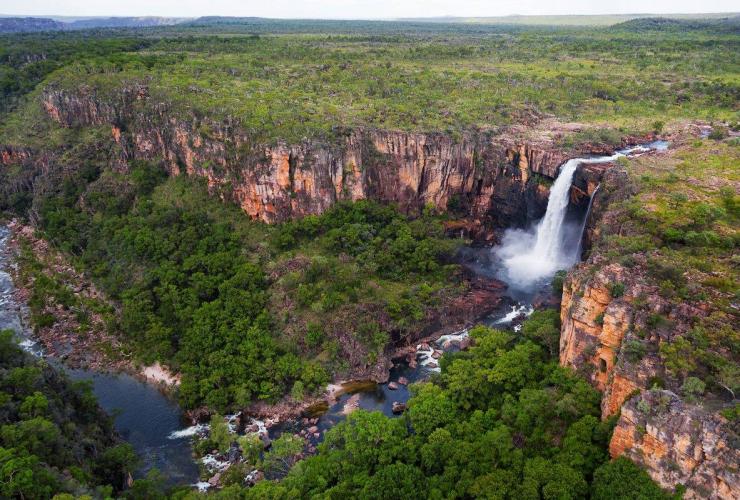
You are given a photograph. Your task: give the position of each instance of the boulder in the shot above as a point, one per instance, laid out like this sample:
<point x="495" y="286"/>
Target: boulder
<point x="215" y="480"/>
<point x="403" y="381"/>
<point x="449" y="344"/>
<point x="398" y="407"/>
<point x="393" y="386"/>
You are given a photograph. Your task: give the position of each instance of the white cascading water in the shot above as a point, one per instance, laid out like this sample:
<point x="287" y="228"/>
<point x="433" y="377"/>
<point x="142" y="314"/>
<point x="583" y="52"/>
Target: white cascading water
<point x="531" y="256"/>
<point x="548" y="245"/>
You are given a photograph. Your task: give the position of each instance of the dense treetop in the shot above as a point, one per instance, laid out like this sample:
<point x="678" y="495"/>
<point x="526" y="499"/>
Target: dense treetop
<point x="502" y="421"/>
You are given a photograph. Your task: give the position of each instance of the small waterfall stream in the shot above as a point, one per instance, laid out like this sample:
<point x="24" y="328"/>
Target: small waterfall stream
<point x="579" y="251"/>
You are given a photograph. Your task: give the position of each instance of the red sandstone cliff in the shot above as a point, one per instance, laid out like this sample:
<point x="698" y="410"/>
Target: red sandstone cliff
<point x="486" y="176"/>
<point x="679" y="444"/>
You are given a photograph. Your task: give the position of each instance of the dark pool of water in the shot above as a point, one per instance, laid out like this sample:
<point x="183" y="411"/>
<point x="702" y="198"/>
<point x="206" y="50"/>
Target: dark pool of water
<point x="145" y="418"/>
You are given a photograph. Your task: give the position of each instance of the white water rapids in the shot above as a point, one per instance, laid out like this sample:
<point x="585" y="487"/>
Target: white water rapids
<point x="532" y="256"/>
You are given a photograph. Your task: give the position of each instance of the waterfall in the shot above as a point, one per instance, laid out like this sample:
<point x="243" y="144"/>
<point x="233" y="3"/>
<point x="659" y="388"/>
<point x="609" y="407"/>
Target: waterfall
<point x="579" y="251"/>
<point x="531" y="257"/>
<point x="548" y="244"/>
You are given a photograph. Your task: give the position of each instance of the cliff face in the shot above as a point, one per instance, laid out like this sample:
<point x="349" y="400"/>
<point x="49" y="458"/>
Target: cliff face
<point x="603" y="335"/>
<point x="484" y="177"/>
<point x="609" y="340"/>
<point x="679" y="444"/>
<point x="611" y="335"/>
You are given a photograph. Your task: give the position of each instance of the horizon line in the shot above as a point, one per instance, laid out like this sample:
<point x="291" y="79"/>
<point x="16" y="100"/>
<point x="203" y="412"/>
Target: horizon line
<point x="410" y="18"/>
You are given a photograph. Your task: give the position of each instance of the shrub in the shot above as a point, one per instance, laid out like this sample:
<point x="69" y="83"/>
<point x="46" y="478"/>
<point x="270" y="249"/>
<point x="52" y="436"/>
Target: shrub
<point x="616" y="289"/>
<point x="656" y="320"/>
<point x="557" y="282"/>
<point x="314" y="335"/>
<point x="732" y="414"/>
<point x="693" y="387"/>
<point x="297" y="391"/>
<point x="703" y="239"/>
<point x="718" y="133"/>
<point x="679" y="356"/>
<point x="599" y="320"/>
<point x="673" y="235"/>
<point x="634" y="350"/>
<point x="643" y="406"/>
<point x="220" y="434"/>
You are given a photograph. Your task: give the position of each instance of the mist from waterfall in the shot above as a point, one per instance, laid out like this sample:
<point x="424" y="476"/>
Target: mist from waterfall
<point x="530" y="257"/>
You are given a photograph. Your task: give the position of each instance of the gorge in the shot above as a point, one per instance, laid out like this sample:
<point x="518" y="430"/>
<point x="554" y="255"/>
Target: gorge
<point x="547" y="245"/>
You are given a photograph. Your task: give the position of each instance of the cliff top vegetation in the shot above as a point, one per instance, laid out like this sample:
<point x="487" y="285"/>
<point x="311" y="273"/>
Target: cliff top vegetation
<point x="290" y="81"/>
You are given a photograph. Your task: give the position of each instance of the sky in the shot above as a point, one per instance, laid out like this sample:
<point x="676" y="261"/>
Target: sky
<point x="356" y="9"/>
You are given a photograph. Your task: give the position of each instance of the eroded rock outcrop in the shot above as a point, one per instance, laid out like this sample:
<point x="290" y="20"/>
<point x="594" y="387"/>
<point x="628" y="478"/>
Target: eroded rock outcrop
<point x="679" y="444"/>
<point x="610" y="340"/>
<point x="614" y="322"/>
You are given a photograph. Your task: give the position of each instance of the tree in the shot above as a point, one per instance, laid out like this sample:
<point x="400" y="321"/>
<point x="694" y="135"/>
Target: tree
<point x="543" y="327"/>
<point x="22" y="476"/>
<point x="282" y="455"/>
<point x="430" y="409"/>
<point x="251" y="446"/>
<point x="220" y="434"/>
<point x="397" y="480"/>
<point x="621" y="479"/>
<point x="115" y="463"/>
